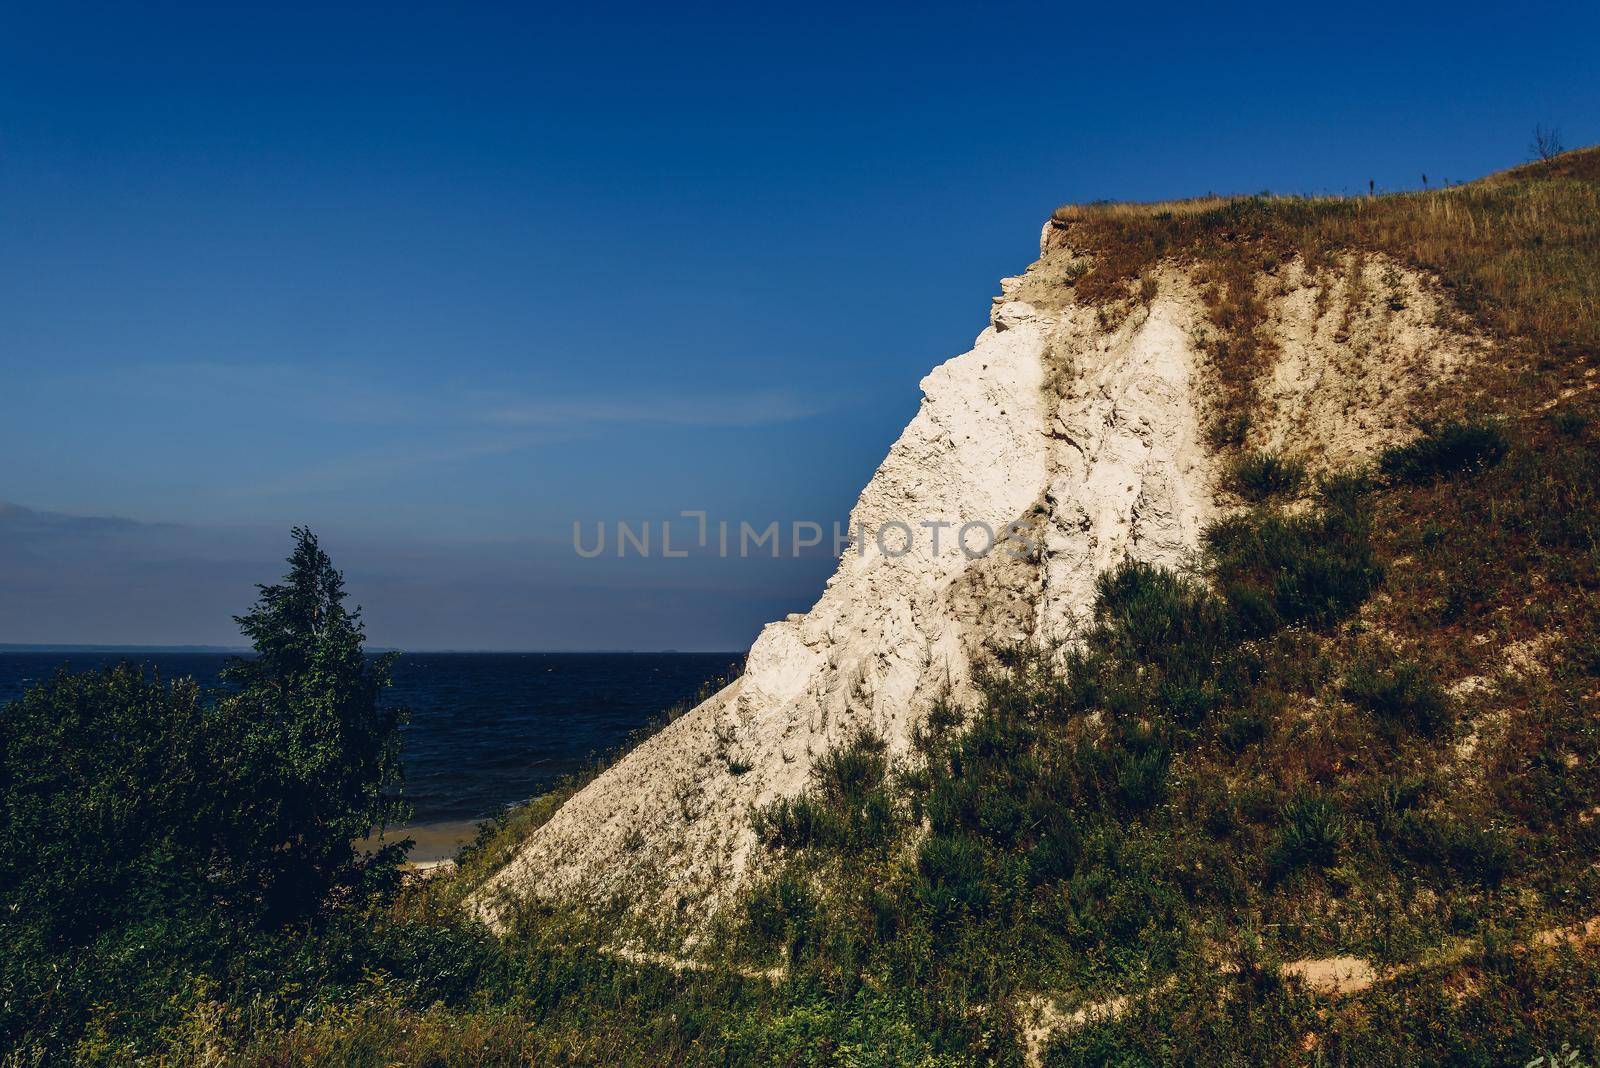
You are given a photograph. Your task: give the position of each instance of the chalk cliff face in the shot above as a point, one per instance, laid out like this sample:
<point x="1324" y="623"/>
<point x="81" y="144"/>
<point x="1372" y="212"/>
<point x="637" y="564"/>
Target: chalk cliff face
<point x="1080" y="436"/>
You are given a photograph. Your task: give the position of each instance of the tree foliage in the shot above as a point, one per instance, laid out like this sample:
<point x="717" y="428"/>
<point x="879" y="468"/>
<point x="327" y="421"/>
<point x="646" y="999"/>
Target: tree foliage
<point x="312" y="723"/>
<point x="145" y="821"/>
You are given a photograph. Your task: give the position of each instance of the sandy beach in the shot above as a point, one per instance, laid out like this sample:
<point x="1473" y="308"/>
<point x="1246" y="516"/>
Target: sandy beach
<point x="434" y="841"/>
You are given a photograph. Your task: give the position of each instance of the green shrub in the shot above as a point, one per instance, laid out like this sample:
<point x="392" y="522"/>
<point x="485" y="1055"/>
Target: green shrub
<point x="1278" y="570"/>
<point x="1401" y="695"/>
<point x="1257" y="476"/>
<point x="850" y="773"/>
<point x="1155" y="616"/>
<point x="846" y="804"/>
<point x="1123" y="907"/>
<point x="1447" y="449"/>
<point x="780" y="911"/>
<point x="1242" y="730"/>
<point x="1309" y="834"/>
<point x="1571" y="422"/>
<point x="112" y="786"/>
<point x="1475" y="850"/>
<point x="1389" y="800"/>
<point x="1340" y="492"/>
<point x="951" y="879"/>
<point x="1141" y="774"/>
<point x="794" y="823"/>
<point x="1058" y="848"/>
<point x="810" y="1029"/>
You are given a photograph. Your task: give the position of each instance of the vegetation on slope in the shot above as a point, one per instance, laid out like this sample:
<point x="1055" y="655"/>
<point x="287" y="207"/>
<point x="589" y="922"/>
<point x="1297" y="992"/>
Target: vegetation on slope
<point x="1226" y="781"/>
<point x="1365" y="726"/>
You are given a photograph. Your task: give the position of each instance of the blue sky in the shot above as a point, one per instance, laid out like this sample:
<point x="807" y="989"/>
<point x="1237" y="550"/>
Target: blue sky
<point x="439" y="282"/>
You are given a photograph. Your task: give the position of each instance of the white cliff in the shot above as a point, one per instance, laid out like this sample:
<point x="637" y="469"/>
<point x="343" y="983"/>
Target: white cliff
<point x="1087" y="433"/>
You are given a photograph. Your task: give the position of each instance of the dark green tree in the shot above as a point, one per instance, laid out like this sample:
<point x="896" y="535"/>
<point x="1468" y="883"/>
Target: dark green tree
<point x="309" y="710"/>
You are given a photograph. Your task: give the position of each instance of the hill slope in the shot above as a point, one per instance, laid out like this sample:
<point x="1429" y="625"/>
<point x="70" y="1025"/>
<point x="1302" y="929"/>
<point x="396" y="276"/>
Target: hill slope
<point x="1281" y="748"/>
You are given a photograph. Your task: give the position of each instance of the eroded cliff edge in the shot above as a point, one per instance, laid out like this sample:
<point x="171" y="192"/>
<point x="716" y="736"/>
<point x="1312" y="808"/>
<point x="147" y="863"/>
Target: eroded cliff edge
<point x="1086" y="429"/>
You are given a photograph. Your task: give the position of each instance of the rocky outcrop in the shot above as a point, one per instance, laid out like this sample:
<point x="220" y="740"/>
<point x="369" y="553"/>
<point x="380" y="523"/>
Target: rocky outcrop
<point x="1063" y="442"/>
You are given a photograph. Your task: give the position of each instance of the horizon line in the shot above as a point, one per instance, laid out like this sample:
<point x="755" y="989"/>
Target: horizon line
<point x="89" y="647"/>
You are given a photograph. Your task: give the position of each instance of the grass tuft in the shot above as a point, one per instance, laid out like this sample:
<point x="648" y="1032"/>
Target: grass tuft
<point x="1400" y="694"/>
<point x="1258" y="476"/>
<point x="1310" y="834"/>
<point x="846" y="805"/>
<point x="1449" y="449"/>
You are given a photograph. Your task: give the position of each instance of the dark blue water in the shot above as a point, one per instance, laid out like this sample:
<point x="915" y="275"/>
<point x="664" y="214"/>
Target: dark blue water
<point x="487" y="729"/>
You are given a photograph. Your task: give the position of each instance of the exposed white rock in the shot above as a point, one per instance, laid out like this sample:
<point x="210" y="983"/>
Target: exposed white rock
<point x="1086" y="436"/>
<point x="1116" y="466"/>
<point x="1358" y="349"/>
<point x="1130" y="475"/>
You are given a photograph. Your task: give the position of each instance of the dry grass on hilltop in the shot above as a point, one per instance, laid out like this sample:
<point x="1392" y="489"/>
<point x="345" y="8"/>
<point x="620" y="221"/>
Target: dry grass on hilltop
<point x="1520" y="250"/>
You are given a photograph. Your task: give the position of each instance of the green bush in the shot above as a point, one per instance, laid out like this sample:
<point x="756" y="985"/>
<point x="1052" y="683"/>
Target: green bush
<point x="1447" y="449"/>
<point x="794" y="823"/>
<point x="1258" y="476"/>
<point x="1150" y="610"/>
<point x="1277" y="570"/>
<point x="1401" y="695"/>
<point x="1153" y="616"/>
<point x="110" y="789"/>
<point x="952" y="879"/>
<point x="1309" y="834"/>
<point x="1475" y="850"/>
<point x="1141" y="773"/>
<point x="846" y="804"/>
<point x="781" y="911"/>
<point x="1571" y="422"/>
<point x="1058" y="848"/>
<point x="1242" y="730"/>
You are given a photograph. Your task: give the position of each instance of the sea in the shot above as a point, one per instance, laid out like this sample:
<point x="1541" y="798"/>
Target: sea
<point x="486" y="731"/>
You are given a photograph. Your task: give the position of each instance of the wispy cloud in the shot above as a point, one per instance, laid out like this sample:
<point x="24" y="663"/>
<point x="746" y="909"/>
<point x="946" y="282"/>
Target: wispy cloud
<point x="20" y="525"/>
<point x="386" y="463"/>
<point x="700" y="410"/>
<point x="389" y="428"/>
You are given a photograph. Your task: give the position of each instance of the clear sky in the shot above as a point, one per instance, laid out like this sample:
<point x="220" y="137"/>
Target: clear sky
<point x="439" y="280"/>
